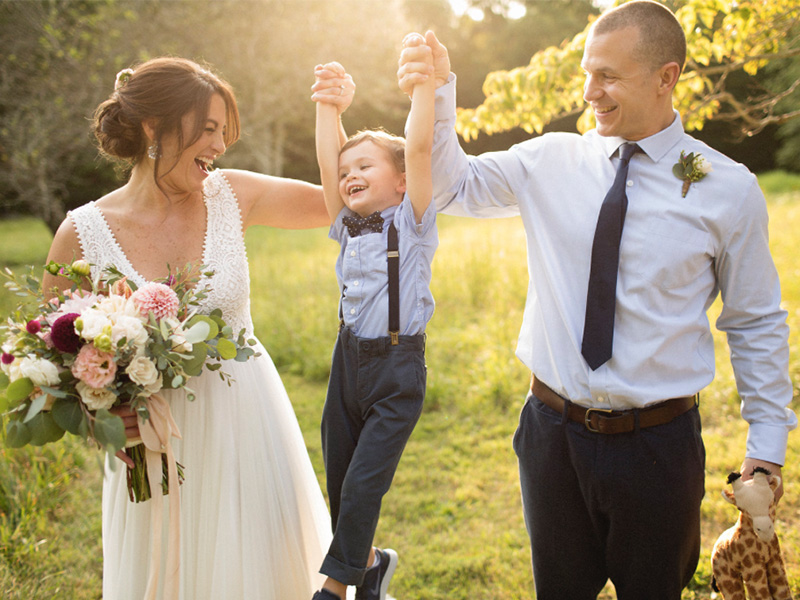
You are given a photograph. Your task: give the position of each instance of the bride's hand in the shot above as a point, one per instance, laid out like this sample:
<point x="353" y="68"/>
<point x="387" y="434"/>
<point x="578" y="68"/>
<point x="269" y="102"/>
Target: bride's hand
<point x="131" y="422"/>
<point x="333" y="85"/>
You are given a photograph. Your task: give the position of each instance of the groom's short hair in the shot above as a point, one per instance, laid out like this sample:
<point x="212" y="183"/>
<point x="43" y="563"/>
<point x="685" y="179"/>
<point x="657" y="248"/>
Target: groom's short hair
<point x="661" y="37"/>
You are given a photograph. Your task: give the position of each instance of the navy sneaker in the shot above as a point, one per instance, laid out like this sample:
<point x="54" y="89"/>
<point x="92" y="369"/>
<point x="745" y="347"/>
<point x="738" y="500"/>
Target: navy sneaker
<point x="376" y="579"/>
<point x="324" y="594"/>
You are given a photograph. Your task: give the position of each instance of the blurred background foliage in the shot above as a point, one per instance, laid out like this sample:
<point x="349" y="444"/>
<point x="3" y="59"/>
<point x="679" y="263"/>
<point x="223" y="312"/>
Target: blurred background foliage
<point x="58" y="60"/>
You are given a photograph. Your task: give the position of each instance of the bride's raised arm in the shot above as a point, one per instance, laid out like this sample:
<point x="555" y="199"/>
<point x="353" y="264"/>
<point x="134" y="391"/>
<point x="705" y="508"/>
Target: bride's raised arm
<point x="277" y="201"/>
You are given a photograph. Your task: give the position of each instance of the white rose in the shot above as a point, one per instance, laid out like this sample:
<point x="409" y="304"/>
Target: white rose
<point x="95" y="398"/>
<point x="156" y="386"/>
<point x="94" y="321"/>
<point x="702" y="165"/>
<point x="142" y="371"/>
<point x="39" y="370"/>
<point x="130" y="328"/>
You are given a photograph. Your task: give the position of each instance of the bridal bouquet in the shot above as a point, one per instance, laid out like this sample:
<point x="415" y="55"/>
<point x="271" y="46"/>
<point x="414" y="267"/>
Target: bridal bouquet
<point x="71" y="359"/>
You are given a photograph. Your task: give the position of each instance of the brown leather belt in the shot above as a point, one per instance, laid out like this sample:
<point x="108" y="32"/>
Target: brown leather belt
<point x="603" y="420"/>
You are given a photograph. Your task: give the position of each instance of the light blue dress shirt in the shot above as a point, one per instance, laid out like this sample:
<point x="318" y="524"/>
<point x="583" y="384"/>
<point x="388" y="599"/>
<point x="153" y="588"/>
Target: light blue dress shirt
<point x="362" y="271"/>
<point x="676" y="255"/>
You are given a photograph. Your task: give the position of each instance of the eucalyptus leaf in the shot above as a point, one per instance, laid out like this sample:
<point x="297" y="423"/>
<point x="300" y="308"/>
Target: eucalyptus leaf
<point x="226" y="348"/>
<point x="17" y="434"/>
<point x="109" y="430"/>
<point x="44" y="429"/>
<point x="201" y="329"/>
<point x="68" y="415"/>
<point x="37" y="404"/>
<point x="19" y="389"/>
<point x="55" y="392"/>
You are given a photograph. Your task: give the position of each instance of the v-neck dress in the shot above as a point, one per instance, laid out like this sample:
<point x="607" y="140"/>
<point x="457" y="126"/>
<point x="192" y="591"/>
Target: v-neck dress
<point x="254" y="524"/>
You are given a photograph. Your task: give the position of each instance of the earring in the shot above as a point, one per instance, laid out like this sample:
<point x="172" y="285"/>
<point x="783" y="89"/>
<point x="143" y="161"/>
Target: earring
<point x="152" y="151"/>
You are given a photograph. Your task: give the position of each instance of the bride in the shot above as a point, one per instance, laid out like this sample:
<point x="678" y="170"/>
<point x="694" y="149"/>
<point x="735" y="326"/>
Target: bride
<point x="253" y="520"/>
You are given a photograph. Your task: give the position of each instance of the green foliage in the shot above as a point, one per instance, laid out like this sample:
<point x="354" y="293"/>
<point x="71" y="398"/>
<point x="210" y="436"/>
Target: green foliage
<point x="723" y="37"/>
<point x="453" y="511"/>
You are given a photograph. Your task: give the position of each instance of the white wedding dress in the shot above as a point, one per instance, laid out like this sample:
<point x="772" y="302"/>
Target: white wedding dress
<point x="254" y="525"/>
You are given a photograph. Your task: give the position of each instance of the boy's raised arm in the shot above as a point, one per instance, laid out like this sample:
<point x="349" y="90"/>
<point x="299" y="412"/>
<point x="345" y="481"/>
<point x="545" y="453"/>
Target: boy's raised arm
<point x="419" y="140"/>
<point x="333" y="92"/>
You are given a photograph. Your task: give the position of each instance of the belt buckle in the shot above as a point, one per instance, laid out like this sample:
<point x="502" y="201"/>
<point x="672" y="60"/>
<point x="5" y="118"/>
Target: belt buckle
<point x="587" y="418"/>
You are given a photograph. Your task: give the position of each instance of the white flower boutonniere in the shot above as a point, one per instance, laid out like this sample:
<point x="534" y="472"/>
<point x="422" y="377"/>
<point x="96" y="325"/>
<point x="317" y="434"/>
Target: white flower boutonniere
<point x="691" y="167"/>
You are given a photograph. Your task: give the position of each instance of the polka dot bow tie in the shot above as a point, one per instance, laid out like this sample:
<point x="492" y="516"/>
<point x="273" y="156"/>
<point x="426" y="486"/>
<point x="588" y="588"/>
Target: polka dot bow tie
<point x="357" y="225"/>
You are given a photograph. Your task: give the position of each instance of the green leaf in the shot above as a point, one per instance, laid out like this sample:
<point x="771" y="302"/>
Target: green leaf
<point x="201" y="328"/>
<point x="194" y="366"/>
<point x="37" y="404"/>
<point x="55" y="392"/>
<point x="68" y="415"/>
<point x="177" y="381"/>
<point x="44" y="429"/>
<point x="226" y="348"/>
<point x="19" y="389"/>
<point x="109" y="430"/>
<point x="17" y="434"/>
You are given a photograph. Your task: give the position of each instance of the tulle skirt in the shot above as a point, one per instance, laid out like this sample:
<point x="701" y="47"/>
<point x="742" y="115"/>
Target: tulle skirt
<point x="254" y="524"/>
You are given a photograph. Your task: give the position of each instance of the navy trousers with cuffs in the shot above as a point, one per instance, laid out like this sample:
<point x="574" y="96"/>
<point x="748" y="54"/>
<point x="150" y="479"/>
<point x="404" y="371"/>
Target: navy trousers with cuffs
<point x="624" y="507"/>
<point x="375" y="397"/>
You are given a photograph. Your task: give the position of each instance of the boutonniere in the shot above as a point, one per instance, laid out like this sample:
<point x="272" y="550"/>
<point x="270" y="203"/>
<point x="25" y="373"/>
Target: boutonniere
<point x="691" y="167"/>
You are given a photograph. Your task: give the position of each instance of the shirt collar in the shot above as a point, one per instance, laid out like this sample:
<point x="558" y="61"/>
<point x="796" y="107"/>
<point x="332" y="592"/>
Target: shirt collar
<point x="656" y="146"/>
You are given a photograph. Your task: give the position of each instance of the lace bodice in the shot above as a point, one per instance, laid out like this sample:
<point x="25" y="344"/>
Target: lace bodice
<point x="223" y="252"/>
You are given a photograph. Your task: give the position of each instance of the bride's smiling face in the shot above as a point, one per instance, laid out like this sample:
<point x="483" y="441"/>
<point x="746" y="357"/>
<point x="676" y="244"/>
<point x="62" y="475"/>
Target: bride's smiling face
<point x="184" y="172"/>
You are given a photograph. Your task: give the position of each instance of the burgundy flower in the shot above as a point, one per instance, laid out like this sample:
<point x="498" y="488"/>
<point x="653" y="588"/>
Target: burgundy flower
<point x="63" y="334"/>
<point x="7" y="358"/>
<point x="33" y="327"/>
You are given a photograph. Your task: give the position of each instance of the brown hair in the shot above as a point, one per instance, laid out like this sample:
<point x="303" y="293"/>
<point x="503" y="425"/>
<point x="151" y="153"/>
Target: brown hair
<point x="661" y="37"/>
<point x="393" y="145"/>
<point x="161" y="90"/>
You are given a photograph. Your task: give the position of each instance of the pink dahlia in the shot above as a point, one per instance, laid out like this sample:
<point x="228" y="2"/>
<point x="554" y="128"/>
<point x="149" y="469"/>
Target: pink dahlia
<point x="63" y="335"/>
<point x="95" y="368"/>
<point x="158" y="299"/>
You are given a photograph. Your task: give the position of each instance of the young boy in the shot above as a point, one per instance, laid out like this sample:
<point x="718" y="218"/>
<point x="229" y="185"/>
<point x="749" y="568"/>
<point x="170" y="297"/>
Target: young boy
<point x="378" y="194"/>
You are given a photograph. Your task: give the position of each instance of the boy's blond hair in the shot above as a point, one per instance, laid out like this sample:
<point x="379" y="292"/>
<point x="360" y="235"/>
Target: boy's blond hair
<point x="393" y="145"/>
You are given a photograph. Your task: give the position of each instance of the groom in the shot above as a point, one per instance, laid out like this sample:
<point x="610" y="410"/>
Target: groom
<point x="610" y="453"/>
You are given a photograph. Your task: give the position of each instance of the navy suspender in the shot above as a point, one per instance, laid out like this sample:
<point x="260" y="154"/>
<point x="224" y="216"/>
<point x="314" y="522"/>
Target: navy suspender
<point x="393" y="257"/>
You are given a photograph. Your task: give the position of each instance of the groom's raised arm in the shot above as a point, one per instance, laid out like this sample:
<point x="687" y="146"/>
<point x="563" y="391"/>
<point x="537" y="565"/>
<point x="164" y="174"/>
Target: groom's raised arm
<point x="462" y="185"/>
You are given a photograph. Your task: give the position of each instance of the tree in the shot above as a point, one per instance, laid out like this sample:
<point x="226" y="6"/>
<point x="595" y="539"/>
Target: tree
<point x="723" y="37"/>
<point x="49" y="74"/>
<point x="59" y="59"/>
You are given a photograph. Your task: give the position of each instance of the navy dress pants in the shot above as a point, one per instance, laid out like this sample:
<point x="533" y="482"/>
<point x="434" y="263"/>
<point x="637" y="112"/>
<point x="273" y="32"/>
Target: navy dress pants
<point x="624" y="507"/>
<point x="375" y="397"/>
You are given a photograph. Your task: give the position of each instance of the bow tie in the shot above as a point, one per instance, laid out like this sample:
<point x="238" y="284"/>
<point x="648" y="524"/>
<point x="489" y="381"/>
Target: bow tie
<point x="357" y="224"/>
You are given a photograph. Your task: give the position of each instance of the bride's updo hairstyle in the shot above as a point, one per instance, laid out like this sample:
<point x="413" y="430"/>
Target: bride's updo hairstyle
<point x="161" y="92"/>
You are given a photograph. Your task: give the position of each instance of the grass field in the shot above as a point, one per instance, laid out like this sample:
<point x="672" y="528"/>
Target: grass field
<point x="454" y="510"/>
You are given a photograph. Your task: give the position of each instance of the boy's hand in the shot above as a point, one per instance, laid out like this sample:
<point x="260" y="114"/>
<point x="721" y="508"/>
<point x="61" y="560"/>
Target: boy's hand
<point x="333" y="86"/>
<point x="421" y="59"/>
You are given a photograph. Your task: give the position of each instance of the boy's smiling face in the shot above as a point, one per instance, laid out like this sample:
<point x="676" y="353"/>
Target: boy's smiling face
<point x="368" y="179"/>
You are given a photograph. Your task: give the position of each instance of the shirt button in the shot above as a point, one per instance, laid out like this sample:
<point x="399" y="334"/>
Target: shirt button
<point x="355" y="282"/>
<point x="352" y="311"/>
<point x="352" y="252"/>
<point x="599" y="399"/>
<point x="630" y="183"/>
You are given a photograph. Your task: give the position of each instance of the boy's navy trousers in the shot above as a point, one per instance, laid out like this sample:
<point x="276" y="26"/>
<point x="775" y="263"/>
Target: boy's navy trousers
<point x="375" y="397"/>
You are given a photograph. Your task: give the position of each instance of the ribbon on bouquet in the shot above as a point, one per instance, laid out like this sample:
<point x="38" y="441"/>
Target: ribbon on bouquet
<point x="156" y="432"/>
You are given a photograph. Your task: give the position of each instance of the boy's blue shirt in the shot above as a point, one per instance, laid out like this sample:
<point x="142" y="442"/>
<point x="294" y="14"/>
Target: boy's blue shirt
<point x="361" y="271"/>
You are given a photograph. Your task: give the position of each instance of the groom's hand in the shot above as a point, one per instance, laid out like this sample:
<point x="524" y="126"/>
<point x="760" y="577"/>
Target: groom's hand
<point x="414" y="65"/>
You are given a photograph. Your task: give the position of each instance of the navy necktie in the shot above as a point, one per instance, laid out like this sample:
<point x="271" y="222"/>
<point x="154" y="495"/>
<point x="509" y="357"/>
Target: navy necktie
<point x="356" y="224"/>
<point x="598" y="328"/>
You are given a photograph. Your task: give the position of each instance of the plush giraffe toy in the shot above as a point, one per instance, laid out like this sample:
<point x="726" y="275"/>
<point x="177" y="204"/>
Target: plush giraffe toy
<point x="748" y="554"/>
